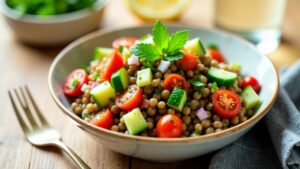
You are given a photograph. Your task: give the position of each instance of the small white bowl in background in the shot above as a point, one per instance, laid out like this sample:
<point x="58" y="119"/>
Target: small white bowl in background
<point x="53" y="30"/>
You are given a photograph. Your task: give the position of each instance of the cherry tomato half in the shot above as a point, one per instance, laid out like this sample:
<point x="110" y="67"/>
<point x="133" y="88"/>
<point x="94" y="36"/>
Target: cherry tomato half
<point x="74" y="82"/>
<point x="175" y="80"/>
<point x="226" y="103"/>
<point x="114" y="63"/>
<point x="216" y="55"/>
<point x="126" y="42"/>
<point x="130" y="98"/>
<point x="169" y="126"/>
<point x="103" y="119"/>
<point x="251" y="81"/>
<point x="188" y="62"/>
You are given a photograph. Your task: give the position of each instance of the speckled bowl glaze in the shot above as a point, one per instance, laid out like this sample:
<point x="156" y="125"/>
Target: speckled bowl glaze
<point x="53" y="30"/>
<point x="165" y="149"/>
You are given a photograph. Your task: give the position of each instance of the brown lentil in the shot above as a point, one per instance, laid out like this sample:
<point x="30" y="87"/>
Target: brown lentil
<point x="165" y="94"/>
<point x="161" y="105"/>
<point x="153" y="102"/>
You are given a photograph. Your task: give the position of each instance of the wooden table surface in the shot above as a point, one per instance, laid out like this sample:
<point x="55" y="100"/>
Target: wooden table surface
<point x="21" y="64"/>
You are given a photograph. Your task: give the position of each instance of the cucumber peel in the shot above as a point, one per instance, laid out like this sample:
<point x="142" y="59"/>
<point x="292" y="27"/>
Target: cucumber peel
<point x="177" y="99"/>
<point x="221" y="77"/>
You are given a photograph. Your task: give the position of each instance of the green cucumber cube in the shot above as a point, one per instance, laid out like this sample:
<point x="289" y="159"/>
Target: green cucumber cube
<point x="144" y="77"/>
<point x="250" y="98"/>
<point x="177" y="99"/>
<point x="135" y="121"/>
<point x="100" y="52"/>
<point x="221" y="76"/>
<point x="195" y="47"/>
<point x="119" y="80"/>
<point x="103" y="93"/>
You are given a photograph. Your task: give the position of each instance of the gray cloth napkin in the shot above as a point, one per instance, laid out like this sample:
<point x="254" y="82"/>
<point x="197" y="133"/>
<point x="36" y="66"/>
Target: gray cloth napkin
<point x="275" y="141"/>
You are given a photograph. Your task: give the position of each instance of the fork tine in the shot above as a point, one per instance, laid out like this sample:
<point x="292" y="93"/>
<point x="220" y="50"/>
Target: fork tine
<point x="37" y="110"/>
<point x="19" y="117"/>
<point x="26" y="108"/>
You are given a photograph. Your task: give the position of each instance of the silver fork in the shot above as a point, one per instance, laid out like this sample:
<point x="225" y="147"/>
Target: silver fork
<point x="39" y="132"/>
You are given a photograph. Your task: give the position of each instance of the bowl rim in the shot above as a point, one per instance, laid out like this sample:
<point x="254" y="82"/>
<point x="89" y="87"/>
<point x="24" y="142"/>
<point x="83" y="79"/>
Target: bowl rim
<point x="60" y="18"/>
<point x="229" y="131"/>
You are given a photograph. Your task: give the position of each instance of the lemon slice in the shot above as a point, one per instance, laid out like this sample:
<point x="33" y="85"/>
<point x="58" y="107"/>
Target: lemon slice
<point x="158" y="9"/>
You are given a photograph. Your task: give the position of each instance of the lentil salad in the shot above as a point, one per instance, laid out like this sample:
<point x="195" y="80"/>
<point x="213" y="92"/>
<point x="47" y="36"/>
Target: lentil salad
<point x="162" y="85"/>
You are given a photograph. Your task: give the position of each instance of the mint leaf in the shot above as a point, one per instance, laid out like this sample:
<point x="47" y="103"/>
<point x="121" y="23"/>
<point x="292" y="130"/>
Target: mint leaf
<point x="145" y="52"/>
<point x="177" y="41"/>
<point x="160" y="36"/>
<point x="174" y="57"/>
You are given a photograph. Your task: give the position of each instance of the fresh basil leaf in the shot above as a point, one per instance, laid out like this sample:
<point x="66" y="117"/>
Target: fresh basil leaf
<point x="160" y="36"/>
<point x="214" y="87"/>
<point x="212" y="46"/>
<point x="75" y="83"/>
<point x="145" y="52"/>
<point x="148" y="65"/>
<point x="175" y="56"/>
<point x="177" y="41"/>
<point x="196" y="83"/>
<point x="96" y="75"/>
<point x="120" y="49"/>
<point x="181" y="72"/>
<point x="158" y="90"/>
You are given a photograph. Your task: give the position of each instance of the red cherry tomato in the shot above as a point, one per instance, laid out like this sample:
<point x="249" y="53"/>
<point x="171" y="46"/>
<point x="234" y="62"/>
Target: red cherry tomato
<point x="114" y="63"/>
<point x="188" y="62"/>
<point x="216" y="55"/>
<point x="175" y="80"/>
<point x="74" y="82"/>
<point x="130" y="98"/>
<point x="103" y="119"/>
<point x="126" y="42"/>
<point x="169" y="126"/>
<point x="226" y="103"/>
<point x="251" y="81"/>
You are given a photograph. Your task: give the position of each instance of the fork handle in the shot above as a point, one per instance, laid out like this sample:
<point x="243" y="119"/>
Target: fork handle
<point x="81" y="164"/>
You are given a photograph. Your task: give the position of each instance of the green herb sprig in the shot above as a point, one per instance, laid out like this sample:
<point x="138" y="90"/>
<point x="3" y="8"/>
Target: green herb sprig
<point x="165" y="46"/>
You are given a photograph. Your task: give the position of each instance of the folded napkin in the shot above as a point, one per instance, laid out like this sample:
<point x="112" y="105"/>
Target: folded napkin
<point x="281" y="126"/>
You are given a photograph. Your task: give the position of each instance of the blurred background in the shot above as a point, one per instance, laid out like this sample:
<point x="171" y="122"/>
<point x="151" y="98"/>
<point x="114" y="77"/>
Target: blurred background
<point x="256" y="20"/>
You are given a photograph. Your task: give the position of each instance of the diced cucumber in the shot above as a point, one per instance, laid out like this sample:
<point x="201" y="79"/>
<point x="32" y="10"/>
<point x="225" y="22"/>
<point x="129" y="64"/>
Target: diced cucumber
<point x="195" y="47"/>
<point x="221" y="77"/>
<point x="177" y="99"/>
<point x="125" y="54"/>
<point x="250" y="98"/>
<point x="103" y="93"/>
<point x="144" y="77"/>
<point x="135" y="121"/>
<point x="119" y="80"/>
<point x="235" y="66"/>
<point x="100" y="52"/>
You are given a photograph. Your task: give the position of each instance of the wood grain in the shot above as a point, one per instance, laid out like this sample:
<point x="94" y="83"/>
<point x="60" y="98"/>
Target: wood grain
<point x="21" y="64"/>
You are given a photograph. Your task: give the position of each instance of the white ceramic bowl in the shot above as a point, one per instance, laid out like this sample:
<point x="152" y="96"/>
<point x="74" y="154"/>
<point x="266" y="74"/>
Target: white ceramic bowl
<point x="163" y="149"/>
<point x="53" y="30"/>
